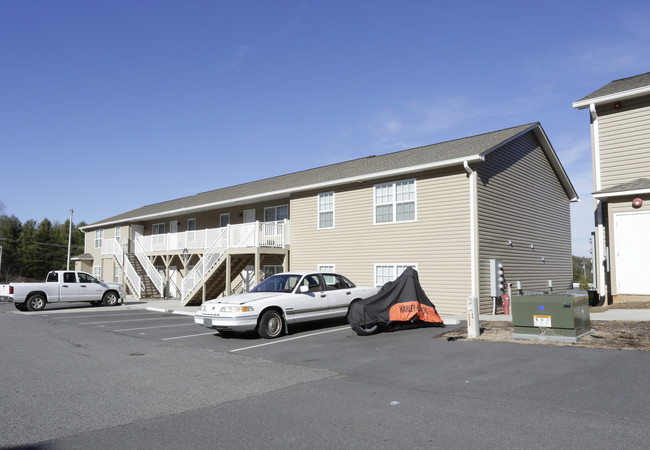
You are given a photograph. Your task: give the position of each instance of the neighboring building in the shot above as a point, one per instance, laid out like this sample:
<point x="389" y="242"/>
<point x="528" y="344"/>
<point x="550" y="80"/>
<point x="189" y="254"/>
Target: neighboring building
<point x="620" y="142"/>
<point x="446" y="209"/>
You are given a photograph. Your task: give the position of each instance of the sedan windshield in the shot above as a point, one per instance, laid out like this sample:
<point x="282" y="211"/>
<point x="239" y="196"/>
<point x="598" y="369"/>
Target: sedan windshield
<point x="277" y="283"/>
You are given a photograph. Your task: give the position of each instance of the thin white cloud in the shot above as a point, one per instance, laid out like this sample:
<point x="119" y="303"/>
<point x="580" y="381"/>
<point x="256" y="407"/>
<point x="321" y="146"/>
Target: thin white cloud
<point x="240" y="56"/>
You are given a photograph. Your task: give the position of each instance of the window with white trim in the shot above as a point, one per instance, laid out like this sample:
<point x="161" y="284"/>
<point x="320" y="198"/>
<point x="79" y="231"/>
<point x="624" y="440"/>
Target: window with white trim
<point x="272" y="270"/>
<point x="224" y="220"/>
<point x="191" y="228"/>
<point x="118" y="233"/>
<point x="158" y="228"/>
<point x="97" y="272"/>
<point x="326" y="210"/>
<point x="326" y="268"/>
<point x="276" y="213"/>
<point x="99" y="238"/>
<point x="116" y="274"/>
<point x="395" y="202"/>
<point x="389" y="272"/>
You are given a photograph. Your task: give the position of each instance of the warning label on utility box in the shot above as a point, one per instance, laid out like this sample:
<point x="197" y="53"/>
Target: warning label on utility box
<point x="542" y="321"/>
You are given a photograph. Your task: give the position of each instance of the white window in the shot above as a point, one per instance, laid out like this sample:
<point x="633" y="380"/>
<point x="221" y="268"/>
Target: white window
<point x="116" y="274"/>
<point x="276" y="213"/>
<point x="97" y="272"/>
<point x="118" y="233"/>
<point x="326" y="210"/>
<point x="99" y="238"/>
<point x="326" y="268"/>
<point x="395" y="202"/>
<point x="158" y="228"/>
<point x="272" y="270"/>
<point x="389" y="272"/>
<point x="224" y="220"/>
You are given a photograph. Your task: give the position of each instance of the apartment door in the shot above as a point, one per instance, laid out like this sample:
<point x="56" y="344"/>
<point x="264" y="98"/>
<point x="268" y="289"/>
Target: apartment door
<point x="136" y="231"/>
<point x="173" y="277"/>
<point x="632" y="234"/>
<point x="173" y="234"/>
<point x="249" y="215"/>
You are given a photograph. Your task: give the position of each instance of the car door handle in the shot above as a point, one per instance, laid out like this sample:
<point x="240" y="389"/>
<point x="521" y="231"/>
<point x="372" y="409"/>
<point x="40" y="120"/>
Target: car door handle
<point x="83" y="285"/>
<point x="348" y="293"/>
<point x="323" y="295"/>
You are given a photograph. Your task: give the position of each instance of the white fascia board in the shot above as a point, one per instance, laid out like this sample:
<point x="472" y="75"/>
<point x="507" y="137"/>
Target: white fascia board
<point x="286" y="192"/>
<point x="612" y="97"/>
<point x="606" y="195"/>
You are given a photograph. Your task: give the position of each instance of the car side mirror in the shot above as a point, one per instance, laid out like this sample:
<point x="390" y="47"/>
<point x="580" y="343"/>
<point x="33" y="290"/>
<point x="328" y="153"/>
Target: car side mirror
<point x="304" y="289"/>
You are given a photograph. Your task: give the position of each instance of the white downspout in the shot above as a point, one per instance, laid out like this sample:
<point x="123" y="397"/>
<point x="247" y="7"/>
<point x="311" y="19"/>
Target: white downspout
<point x="472" y="219"/>
<point x="600" y="229"/>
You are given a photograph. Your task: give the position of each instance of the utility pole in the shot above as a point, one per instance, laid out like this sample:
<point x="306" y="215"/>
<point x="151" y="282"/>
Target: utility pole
<point x="69" y="239"/>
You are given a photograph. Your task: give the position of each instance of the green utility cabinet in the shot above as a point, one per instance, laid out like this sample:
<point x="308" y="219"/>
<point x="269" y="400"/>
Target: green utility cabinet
<point x="563" y="317"/>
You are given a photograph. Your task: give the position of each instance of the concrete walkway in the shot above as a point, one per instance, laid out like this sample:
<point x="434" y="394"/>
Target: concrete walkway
<point x="175" y="307"/>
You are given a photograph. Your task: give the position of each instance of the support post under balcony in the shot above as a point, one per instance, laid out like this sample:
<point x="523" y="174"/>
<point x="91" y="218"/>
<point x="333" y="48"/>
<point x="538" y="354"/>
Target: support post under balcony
<point x="228" y="274"/>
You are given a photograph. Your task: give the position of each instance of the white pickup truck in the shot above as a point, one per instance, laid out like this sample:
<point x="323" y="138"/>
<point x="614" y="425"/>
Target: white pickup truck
<point x="61" y="286"/>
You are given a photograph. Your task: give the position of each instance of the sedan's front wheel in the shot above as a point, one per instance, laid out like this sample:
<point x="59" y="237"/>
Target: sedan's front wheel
<point x="270" y="325"/>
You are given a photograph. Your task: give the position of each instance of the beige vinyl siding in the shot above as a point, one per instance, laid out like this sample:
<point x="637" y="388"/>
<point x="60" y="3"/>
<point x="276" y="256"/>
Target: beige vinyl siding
<point x="624" y="138"/>
<point x="520" y="199"/>
<point x="621" y="205"/>
<point x="438" y="241"/>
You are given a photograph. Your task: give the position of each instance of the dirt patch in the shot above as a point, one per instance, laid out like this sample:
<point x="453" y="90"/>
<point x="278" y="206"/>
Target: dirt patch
<point x="606" y="334"/>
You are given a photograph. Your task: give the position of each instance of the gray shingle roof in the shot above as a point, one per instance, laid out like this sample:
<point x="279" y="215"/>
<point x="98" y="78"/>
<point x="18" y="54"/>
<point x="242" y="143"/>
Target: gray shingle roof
<point x="639" y="184"/>
<point x="450" y="152"/>
<point x="618" y="87"/>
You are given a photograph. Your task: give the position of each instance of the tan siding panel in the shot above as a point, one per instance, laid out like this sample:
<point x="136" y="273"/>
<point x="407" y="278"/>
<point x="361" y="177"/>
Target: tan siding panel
<point x="438" y="242"/>
<point x="624" y="137"/>
<point x="521" y="200"/>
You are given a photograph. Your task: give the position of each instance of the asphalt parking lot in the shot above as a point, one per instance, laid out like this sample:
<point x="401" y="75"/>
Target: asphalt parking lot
<point x="80" y="377"/>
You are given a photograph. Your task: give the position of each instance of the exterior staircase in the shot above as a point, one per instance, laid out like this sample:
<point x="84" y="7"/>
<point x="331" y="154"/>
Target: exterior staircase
<point x="148" y="288"/>
<point x="215" y="281"/>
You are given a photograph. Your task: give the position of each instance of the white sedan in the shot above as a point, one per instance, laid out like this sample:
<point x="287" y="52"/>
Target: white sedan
<point x="280" y="300"/>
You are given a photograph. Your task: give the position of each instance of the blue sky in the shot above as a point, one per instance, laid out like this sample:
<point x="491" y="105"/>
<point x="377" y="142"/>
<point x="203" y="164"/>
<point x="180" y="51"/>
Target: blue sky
<point x="108" y="106"/>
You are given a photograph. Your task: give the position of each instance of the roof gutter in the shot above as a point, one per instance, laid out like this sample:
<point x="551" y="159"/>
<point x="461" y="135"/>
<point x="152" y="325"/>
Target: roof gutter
<point x="581" y="104"/>
<point x="286" y="192"/>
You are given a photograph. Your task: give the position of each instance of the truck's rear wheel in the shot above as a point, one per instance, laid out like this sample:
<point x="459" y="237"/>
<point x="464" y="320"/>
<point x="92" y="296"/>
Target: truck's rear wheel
<point x="35" y="303"/>
<point x="20" y="306"/>
<point x="110" y="299"/>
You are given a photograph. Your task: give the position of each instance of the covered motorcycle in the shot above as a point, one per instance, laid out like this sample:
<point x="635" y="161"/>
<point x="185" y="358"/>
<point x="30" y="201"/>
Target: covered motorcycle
<point x="398" y="303"/>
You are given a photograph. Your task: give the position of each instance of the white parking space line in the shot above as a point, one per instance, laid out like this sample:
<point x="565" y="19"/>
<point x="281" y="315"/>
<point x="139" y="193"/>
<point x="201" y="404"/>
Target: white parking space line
<point x="188" y="336"/>
<point x="59" y="316"/>
<point x="280" y="341"/>
<point x="158" y="326"/>
<point x="133" y="320"/>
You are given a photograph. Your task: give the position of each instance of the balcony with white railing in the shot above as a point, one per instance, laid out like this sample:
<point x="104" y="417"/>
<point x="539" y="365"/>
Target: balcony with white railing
<point x="254" y="234"/>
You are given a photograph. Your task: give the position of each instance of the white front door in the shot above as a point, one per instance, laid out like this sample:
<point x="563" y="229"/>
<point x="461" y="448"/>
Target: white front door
<point x="173" y="237"/>
<point x="173" y="276"/>
<point x="136" y="231"/>
<point x="632" y="234"/>
<point x="249" y="215"/>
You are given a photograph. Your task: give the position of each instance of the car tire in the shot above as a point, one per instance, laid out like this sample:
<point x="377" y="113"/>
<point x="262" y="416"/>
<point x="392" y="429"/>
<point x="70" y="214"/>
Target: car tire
<point x="110" y="299"/>
<point x="20" y="306"/>
<point x="35" y="303"/>
<point x="366" y="330"/>
<point x="271" y="325"/>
